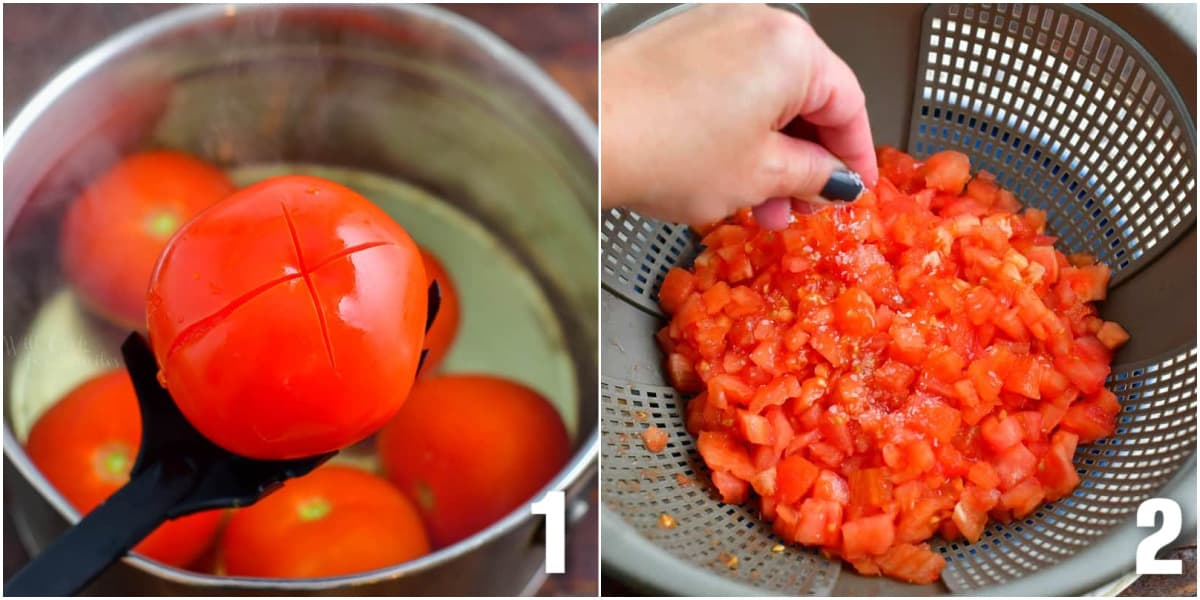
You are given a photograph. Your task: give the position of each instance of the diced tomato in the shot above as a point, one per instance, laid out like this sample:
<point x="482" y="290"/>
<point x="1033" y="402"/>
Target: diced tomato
<point x="896" y="169"/>
<point x="986" y="380"/>
<point x="655" y="439"/>
<point x="867" y="536"/>
<point x="1014" y="465"/>
<point x="1052" y="383"/>
<point x="983" y="474"/>
<point x="1031" y="425"/>
<point x="916" y="363"/>
<point x="755" y="428"/>
<point x="733" y="489"/>
<point x="920" y="522"/>
<point x="908" y="345"/>
<point x="675" y="288"/>
<point x="820" y="523"/>
<point x="765" y="482"/>
<point x="775" y="393"/>
<point x="1010" y="323"/>
<point x="781" y="428"/>
<point x="826" y="343"/>
<point x="691" y="313"/>
<point x="830" y="486"/>
<point x="971" y="513"/>
<point x="909" y="461"/>
<point x="725" y="235"/>
<point x="1090" y="420"/>
<point x="795" y="477"/>
<point x="1089" y="282"/>
<point x="854" y="312"/>
<point x="1001" y="433"/>
<point x="912" y="563"/>
<point x="870" y="487"/>
<point x="948" y="171"/>
<point x="1057" y="473"/>
<point x="743" y="302"/>
<point x="852" y="395"/>
<point x="1112" y="335"/>
<point x="795" y="338"/>
<point x="895" y="376"/>
<point x="682" y="374"/>
<point x="727" y="389"/>
<point x="721" y="452"/>
<point x="766" y="355"/>
<point x="1023" y="498"/>
<point x="716" y="297"/>
<point x="1086" y="375"/>
<point x="826" y="454"/>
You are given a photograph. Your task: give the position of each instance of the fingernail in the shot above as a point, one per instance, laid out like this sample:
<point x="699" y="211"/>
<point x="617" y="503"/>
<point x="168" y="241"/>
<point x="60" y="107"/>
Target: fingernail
<point x="843" y="185"/>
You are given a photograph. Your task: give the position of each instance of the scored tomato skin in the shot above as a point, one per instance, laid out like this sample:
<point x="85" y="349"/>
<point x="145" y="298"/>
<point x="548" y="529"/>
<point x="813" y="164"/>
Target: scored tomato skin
<point x="469" y="449"/>
<point x="923" y="360"/>
<point x="337" y="520"/>
<point x="440" y="337"/>
<point x="114" y="232"/>
<point x="288" y="319"/>
<point x="86" y="445"/>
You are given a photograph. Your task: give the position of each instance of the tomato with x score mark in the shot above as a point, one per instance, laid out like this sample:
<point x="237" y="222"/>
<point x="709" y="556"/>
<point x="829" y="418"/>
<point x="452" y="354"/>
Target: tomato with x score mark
<point x="288" y="320"/>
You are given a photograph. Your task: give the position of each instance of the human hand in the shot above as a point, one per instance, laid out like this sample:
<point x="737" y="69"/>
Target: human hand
<point x="707" y="112"/>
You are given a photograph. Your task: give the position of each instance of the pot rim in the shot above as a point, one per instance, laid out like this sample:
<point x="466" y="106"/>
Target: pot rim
<point x="561" y="106"/>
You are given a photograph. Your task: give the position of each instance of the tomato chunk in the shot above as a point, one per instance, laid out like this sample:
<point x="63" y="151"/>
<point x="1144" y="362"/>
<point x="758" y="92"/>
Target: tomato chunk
<point x="867" y="536"/>
<point x="655" y="439"/>
<point x="675" y="289"/>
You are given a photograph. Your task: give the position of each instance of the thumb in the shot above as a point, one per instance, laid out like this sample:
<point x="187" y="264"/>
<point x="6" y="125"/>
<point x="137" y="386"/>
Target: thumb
<point x="804" y="170"/>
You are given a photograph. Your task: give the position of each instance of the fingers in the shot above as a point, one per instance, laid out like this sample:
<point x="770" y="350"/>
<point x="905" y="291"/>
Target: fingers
<point x="796" y="168"/>
<point x="836" y="106"/>
<point x="773" y="214"/>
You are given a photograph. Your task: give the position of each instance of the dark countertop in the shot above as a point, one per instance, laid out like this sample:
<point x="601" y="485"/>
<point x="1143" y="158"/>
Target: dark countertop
<point x="562" y="39"/>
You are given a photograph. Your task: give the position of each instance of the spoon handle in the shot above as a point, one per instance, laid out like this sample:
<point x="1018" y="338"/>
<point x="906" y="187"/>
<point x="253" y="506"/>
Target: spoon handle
<point x="105" y="534"/>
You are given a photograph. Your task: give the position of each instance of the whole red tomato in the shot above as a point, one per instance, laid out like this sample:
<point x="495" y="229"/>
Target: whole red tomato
<point x="113" y="233"/>
<point x="469" y="449"/>
<point x="440" y="336"/>
<point x="288" y="319"/>
<point x="334" y="521"/>
<point x="86" y="445"/>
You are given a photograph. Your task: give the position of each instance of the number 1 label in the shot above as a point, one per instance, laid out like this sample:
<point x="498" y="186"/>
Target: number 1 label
<point x="553" y="506"/>
<point x="1172" y="523"/>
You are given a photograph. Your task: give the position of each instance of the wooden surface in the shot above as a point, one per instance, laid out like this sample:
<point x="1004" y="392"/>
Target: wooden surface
<point x="39" y="40"/>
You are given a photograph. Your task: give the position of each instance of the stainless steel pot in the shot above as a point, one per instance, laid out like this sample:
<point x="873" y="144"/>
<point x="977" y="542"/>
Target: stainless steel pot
<point x="408" y="93"/>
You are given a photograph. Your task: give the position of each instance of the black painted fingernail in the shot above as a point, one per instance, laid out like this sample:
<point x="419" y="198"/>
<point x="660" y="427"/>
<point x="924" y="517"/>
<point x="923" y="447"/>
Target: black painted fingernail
<point x="843" y="185"/>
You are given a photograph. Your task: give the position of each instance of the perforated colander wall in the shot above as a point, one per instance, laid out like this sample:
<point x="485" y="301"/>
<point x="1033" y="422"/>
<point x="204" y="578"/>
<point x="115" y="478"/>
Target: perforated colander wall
<point x="1069" y="115"/>
<point x="638" y="252"/>
<point x="1077" y="121"/>
<point x="642" y="487"/>
<point x="1156" y="433"/>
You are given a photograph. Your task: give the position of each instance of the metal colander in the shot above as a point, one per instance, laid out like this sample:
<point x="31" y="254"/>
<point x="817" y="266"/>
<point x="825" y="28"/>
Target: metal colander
<point x="1074" y="117"/>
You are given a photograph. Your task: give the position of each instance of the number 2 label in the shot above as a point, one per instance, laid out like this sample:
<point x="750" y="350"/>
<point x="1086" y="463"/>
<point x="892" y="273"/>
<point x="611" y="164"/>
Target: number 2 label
<point x="1172" y="523"/>
<point x="554" y="507"/>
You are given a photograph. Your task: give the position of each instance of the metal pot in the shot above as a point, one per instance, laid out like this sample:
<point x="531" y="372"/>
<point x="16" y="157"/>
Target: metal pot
<point x="480" y="151"/>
